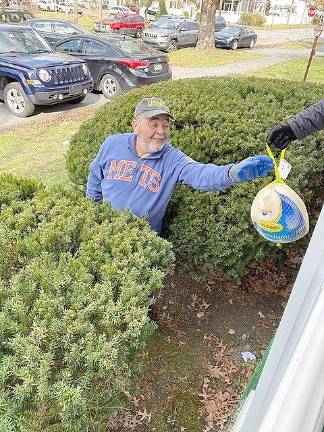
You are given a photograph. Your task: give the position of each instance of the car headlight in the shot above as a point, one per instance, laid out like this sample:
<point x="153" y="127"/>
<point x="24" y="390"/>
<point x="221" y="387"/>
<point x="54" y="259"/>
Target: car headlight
<point x="44" y="75"/>
<point x="85" y="69"/>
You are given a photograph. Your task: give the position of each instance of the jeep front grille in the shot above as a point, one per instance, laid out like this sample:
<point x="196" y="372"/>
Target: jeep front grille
<point x="67" y="74"/>
<point x="150" y="35"/>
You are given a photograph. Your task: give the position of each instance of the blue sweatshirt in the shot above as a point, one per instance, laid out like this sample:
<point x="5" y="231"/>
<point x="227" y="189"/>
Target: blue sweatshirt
<point x="145" y="185"/>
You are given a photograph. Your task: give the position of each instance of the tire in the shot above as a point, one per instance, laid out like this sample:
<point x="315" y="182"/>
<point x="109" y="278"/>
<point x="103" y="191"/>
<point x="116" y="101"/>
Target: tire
<point x="77" y="100"/>
<point x="234" y="44"/>
<point x="110" y="86"/>
<point x="173" y="45"/>
<point x="138" y="33"/>
<point x="16" y="100"/>
<point x="252" y="43"/>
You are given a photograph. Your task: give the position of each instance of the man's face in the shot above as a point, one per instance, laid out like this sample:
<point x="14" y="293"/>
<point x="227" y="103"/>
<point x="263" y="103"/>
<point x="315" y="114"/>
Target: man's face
<point x="152" y="134"/>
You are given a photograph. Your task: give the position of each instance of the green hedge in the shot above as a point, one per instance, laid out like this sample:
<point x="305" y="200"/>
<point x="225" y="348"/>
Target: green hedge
<point x="252" y="19"/>
<point x="17" y="189"/>
<point x="221" y="121"/>
<point x="75" y="283"/>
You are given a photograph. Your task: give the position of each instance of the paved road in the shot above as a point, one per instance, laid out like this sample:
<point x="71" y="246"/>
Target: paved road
<point x="265" y="38"/>
<point x="7" y="119"/>
<point x="268" y="37"/>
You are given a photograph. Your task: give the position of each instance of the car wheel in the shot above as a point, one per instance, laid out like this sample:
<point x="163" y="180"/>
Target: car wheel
<point x="252" y="43"/>
<point x="17" y="101"/>
<point x="77" y="100"/>
<point x="110" y="86"/>
<point x="138" y="33"/>
<point x="234" y="45"/>
<point x="173" y="45"/>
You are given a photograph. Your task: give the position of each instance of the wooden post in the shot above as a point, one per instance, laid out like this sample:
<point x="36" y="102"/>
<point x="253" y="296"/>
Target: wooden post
<point x="310" y="57"/>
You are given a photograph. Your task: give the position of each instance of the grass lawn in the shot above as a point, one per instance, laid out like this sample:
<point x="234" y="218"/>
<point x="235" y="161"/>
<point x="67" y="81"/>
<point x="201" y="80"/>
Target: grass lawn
<point x="282" y="27"/>
<point x="294" y="70"/>
<point x="37" y="150"/>
<point x="302" y="44"/>
<point x="188" y="57"/>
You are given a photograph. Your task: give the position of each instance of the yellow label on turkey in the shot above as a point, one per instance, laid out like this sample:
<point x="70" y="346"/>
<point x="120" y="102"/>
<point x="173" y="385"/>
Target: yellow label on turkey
<point x="271" y="226"/>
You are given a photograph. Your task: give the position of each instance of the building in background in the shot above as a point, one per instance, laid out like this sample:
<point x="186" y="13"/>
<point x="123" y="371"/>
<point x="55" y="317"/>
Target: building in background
<point x="276" y="11"/>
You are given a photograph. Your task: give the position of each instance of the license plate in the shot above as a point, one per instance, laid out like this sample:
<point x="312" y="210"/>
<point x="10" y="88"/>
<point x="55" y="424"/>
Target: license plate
<point x="158" y="67"/>
<point x="75" y="90"/>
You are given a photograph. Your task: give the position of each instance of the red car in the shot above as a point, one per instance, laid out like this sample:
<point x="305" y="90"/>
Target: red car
<point x="127" y="24"/>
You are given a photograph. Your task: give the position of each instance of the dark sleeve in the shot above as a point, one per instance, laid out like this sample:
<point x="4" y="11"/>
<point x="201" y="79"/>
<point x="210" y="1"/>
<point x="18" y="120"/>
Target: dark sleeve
<point x="309" y="121"/>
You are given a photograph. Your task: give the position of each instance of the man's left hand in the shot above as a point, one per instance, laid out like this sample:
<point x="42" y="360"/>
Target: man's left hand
<point x="251" y="168"/>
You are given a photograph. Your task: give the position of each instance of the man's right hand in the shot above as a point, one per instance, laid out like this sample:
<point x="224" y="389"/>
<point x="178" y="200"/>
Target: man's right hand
<point x="280" y="136"/>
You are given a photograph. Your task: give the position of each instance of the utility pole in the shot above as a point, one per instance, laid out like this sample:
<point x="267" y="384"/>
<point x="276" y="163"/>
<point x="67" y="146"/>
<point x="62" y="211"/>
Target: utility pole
<point x="75" y="9"/>
<point x="100" y="11"/>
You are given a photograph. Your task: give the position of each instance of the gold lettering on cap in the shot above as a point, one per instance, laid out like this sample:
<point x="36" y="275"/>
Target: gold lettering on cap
<point x="155" y="103"/>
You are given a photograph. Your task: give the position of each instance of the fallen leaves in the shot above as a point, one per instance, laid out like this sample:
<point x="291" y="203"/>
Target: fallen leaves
<point x="131" y="418"/>
<point x="267" y="280"/>
<point x="199" y="304"/>
<point x="218" y="394"/>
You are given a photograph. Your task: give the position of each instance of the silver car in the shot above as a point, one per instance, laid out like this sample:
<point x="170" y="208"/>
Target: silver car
<point x="172" y="34"/>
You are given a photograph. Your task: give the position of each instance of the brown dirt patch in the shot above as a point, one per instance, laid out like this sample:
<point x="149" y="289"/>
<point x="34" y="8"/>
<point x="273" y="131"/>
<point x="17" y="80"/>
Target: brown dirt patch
<point x="194" y="374"/>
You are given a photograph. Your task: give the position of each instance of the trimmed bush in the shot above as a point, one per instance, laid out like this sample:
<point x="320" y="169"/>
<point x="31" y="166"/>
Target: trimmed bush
<point x="76" y="280"/>
<point x="17" y="189"/>
<point x="253" y="19"/>
<point x="220" y="121"/>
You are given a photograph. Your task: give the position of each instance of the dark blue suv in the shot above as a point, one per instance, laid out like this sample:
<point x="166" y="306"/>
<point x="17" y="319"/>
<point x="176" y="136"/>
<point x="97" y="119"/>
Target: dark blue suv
<point x="32" y="74"/>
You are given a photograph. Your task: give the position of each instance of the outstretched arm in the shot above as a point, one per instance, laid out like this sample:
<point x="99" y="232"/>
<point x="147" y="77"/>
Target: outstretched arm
<point x="305" y="123"/>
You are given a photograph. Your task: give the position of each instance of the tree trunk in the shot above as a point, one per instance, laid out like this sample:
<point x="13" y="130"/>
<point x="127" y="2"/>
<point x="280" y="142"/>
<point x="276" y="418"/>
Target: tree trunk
<point x="207" y="24"/>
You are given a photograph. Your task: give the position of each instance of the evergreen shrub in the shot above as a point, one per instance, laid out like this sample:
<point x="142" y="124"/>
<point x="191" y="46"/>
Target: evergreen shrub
<point x="218" y="120"/>
<point x="253" y="19"/>
<point x="75" y="283"/>
<point x="17" y="189"/>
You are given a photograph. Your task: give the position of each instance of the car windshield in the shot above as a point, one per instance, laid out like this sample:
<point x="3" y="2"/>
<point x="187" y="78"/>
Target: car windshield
<point x="27" y="42"/>
<point x="168" y="24"/>
<point x="160" y="20"/>
<point x="80" y="28"/>
<point x="129" y="46"/>
<point x="230" y="30"/>
<point x="113" y="17"/>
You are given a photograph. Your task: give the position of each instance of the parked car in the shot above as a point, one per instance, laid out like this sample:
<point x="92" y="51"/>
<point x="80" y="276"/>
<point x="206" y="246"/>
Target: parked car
<point x="172" y="34"/>
<point x="126" y="24"/>
<point x="47" y="5"/>
<point x="151" y="13"/>
<point x="120" y="9"/>
<point x="117" y="63"/>
<point x="54" y="30"/>
<point x="32" y="74"/>
<point x="11" y="16"/>
<point x="68" y="8"/>
<point x="220" y="23"/>
<point x="163" y="18"/>
<point x="235" y="36"/>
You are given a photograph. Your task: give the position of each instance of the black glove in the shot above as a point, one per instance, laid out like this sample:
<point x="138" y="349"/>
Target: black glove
<point x="280" y="136"/>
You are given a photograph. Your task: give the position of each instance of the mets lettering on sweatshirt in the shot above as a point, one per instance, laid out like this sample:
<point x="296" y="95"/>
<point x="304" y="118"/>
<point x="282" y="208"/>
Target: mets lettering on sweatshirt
<point x="124" y="171"/>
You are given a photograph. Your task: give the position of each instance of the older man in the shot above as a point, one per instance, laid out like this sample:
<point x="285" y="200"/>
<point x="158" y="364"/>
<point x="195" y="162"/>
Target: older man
<point x="139" y="171"/>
